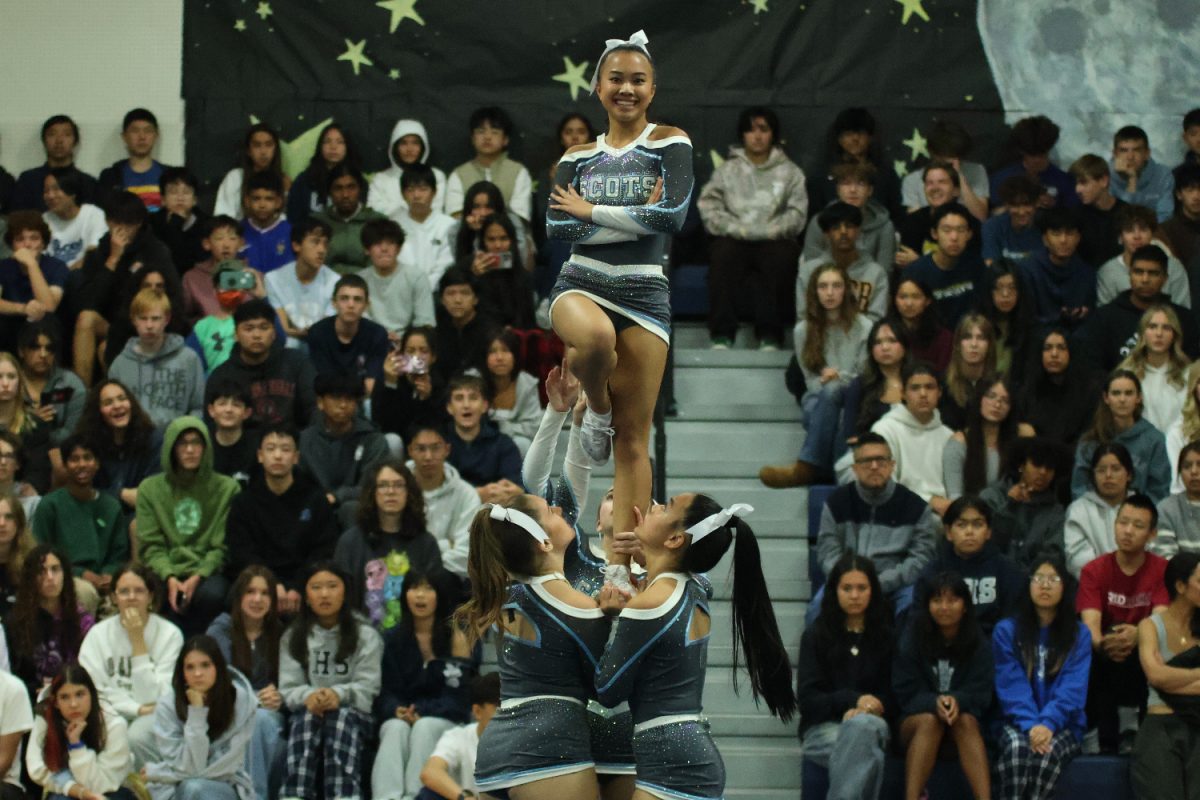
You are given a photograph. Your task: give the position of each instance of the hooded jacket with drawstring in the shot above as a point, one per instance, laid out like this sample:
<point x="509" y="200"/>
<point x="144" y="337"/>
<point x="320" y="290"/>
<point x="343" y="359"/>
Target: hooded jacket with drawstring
<point x="384" y="191"/>
<point x="181" y="517"/>
<point x="752" y="201"/>
<point x="169" y="383"/>
<point x="917" y="449"/>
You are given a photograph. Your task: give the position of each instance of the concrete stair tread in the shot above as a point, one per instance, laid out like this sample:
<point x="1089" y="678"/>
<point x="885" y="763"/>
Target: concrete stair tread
<point x="775" y="360"/>
<point x="689" y="411"/>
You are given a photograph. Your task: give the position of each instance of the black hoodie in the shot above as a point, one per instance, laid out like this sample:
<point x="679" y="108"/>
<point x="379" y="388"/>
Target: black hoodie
<point x="280" y="531"/>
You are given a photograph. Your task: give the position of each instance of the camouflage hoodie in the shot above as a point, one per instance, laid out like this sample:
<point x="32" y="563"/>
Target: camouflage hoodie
<point x="755" y="201"/>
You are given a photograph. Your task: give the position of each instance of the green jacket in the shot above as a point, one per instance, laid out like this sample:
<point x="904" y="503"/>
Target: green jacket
<point x="93" y="534"/>
<point x="346" y="252"/>
<point x="180" y="518"/>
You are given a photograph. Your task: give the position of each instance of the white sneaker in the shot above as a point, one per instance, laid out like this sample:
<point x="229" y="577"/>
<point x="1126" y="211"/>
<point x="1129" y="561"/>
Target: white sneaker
<point x="595" y="435"/>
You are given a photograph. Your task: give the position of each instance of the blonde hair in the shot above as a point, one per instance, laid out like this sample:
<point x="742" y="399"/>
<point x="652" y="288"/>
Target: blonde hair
<point x="148" y="300"/>
<point x="1191" y="409"/>
<point x="22" y="543"/>
<point x="1177" y="362"/>
<point x="957" y="384"/>
<point x="21" y="422"/>
<point x="816" y="322"/>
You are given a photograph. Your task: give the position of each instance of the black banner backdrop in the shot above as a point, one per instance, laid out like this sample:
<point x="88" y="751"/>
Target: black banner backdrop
<point x="298" y="63"/>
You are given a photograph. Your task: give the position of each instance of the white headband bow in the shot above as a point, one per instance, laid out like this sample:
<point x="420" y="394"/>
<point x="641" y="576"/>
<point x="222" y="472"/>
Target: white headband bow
<point x="638" y="40"/>
<point x="521" y="520"/>
<point x="718" y="520"/>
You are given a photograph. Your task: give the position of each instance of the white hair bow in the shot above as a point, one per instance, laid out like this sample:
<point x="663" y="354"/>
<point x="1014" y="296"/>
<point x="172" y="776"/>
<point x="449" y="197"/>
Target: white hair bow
<point x="718" y="520"/>
<point x="638" y="40"/>
<point x="521" y="520"/>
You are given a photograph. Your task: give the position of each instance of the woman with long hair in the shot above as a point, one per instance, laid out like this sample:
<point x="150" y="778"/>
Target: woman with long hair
<point x="1166" y="756"/>
<point x="427" y="667"/>
<point x="538" y="744"/>
<point x="844" y="680"/>
<point x="261" y="151"/>
<point x="1186" y="427"/>
<point x="1179" y="514"/>
<point x="1009" y="308"/>
<point x="16" y="542"/>
<point x="1161" y="365"/>
<point x="942" y="678"/>
<point x="611" y="303"/>
<point x="656" y="657"/>
<point x="329" y="676"/>
<point x="128" y="445"/>
<point x="973" y="357"/>
<point x="47" y="624"/>
<point x="388" y="539"/>
<point x="131" y="656"/>
<point x="249" y="636"/>
<point x="411" y="392"/>
<point x="831" y="348"/>
<point x="1119" y="420"/>
<point x="307" y="195"/>
<point x="203" y="729"/>
<point x="1088" y="531"/>
<point x="77" y="748"/>
<point x="930" y="341"/>
<point x="18" y="418"/>
<point x="482" y="200"/>
<point x="1057" y="397"/>
<point x="974" y="456"/>
<point x="513" y="402"/>
<point x="1043" y="655"/>
<point x="505" y="294"/>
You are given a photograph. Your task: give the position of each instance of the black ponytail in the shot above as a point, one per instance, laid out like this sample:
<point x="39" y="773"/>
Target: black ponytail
<point x="755" y="631"/>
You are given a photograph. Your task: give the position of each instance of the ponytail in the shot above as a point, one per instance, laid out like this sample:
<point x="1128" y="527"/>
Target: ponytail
<point x="498" y="549"/>
<point x="755" y="631"/>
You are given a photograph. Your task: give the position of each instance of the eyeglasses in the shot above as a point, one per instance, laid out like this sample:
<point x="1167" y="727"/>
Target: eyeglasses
<point x="873" y="461"/>
<point x="391" y="486"/>
<point x="1045" y="580"/>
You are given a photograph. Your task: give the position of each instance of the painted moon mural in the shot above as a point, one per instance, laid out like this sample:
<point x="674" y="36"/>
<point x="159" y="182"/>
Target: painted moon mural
<point x="1095" y="65"/>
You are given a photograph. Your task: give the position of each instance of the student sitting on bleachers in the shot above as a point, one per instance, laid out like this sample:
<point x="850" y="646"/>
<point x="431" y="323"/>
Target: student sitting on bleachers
<point x="1027" y="510"/>
<point x="973" y="457"/>
<point x="1042" y="654"/>
<point x="1179" y="514"/>
<point x="916" y="436"/>
<point x="1088" y="531"/>
<point x="942" y="680"/>
<point x="844" y="680"/>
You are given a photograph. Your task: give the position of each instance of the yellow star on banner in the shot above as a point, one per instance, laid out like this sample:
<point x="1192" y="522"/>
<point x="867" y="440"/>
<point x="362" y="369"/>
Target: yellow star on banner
<point x="916" y="145"/>
<point x="299" y="151"/>
<point x="394" y="74"/>
<point x="759" y="6"/>
<point x="912" y="7"/>
<point x="240" y="25"/>
<point x="901" y="167"/>
<point x="354" y="54"/>
<point x="401" y="10"/>
<point x="264" y="10"/>
<point x="572" y="76"/>
<point x="717" y="160"/>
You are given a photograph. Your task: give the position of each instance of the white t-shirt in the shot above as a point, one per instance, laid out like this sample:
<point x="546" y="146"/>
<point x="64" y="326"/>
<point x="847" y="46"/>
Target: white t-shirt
<point x="70" y="239"/>
<point x="429" y="245"/>
<point x="912" y="188"/>
<point x="304" y="303"/>
<point x="16" y="716"/>
<point x="400" y="300"/>
<point x="229" y="195"/>
<point x="457" y="748"/>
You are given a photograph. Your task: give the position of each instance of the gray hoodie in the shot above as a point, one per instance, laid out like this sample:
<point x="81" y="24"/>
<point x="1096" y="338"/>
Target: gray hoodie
<point x="1089" y="531"/>
<point x="1178" y="527"/>
<point x="876" y="238"/>
<point x="186" y="752"/>
<point x="168" y="384"/>
<point x="448" y="513"/>
<point x="384" y="190"/>
<point x="356" y="680"/>
<point x="868" y="279"/>
<point x="751" y="201"/>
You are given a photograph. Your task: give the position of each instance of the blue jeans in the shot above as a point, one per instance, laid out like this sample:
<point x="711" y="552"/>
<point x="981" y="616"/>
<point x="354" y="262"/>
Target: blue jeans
<point x="901" y="599"/>
<point x="266" y="755"/>
<point x="204" y="789"/>
<point x="853" y="751"/>
<point x="825" y="425"/>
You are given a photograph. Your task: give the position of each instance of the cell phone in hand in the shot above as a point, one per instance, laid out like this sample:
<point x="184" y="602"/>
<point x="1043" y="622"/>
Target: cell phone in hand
<point x="505" y="261"/>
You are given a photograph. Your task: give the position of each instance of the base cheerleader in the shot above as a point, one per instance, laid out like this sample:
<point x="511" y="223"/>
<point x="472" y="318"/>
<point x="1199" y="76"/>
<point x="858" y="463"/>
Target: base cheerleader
<point x="657" y="657"/>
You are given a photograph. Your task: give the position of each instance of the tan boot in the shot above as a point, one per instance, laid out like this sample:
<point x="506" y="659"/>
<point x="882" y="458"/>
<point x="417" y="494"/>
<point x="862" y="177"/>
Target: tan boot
<point x="799" y="473"/>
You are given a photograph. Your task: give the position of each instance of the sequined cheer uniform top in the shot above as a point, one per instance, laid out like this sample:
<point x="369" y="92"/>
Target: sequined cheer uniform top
<point x="616" y="259"/>
<point x="541" y="729"/>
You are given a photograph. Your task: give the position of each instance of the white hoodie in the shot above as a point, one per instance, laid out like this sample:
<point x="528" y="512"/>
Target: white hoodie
<point x="126" y="682"/>
<point x="102" y="772"/>
<point x="916" y="449"/>
<point x="384" y="190"/>
<point x="448" y="513"/>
